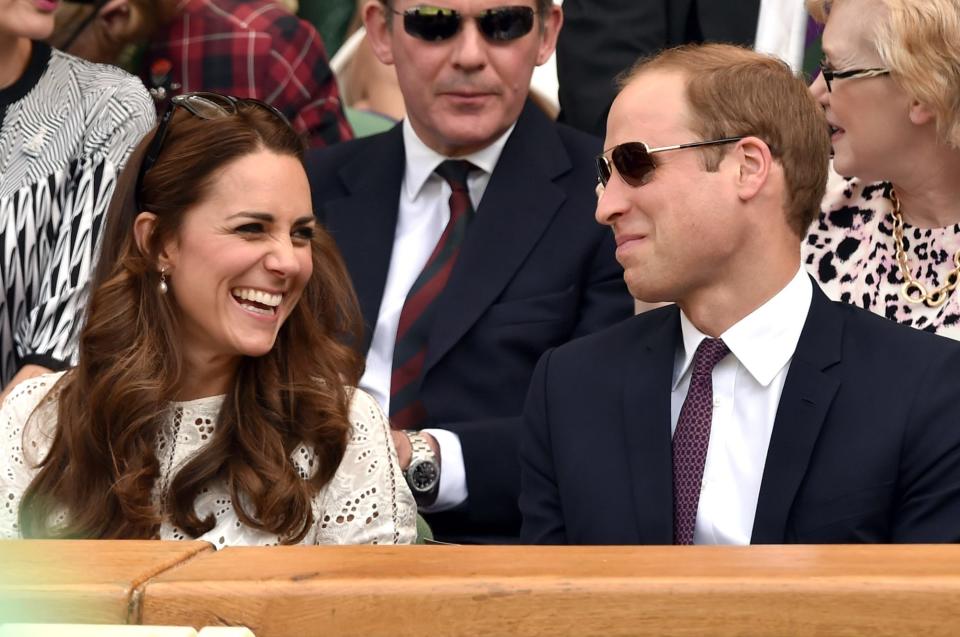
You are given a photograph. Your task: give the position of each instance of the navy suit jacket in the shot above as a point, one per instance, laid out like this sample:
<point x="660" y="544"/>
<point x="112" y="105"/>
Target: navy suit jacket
<point x="865" y="445"/>
<point x="534" y="272"/>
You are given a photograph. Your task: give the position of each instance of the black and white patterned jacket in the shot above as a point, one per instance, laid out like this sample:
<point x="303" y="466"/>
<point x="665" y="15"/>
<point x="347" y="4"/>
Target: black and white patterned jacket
<point x="66" y="128"/>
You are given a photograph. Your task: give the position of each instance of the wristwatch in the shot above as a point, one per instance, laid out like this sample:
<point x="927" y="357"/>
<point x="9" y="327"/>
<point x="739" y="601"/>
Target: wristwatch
<point x="423" y="474"/>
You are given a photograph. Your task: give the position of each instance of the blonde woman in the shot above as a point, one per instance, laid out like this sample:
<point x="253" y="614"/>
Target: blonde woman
<point x="888" y="235"/>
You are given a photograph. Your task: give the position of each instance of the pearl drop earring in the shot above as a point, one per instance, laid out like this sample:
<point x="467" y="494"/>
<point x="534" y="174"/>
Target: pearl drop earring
<point x="163" y="281"/>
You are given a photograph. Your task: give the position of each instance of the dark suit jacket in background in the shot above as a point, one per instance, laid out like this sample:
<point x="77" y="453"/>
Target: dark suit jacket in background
<point x="602" y="38"/>
<point x="865" y="445"/>
<point x="534" y="272"/>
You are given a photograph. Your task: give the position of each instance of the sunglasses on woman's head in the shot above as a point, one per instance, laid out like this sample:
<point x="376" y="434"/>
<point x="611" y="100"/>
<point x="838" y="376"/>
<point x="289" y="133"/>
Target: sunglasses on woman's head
<point x="435" y="24"/>
<point x="635" y="163"/>
<point x="202" y="105"/>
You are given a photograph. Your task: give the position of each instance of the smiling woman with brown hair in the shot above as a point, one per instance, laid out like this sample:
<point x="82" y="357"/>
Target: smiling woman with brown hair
<point x="214" y="394"/>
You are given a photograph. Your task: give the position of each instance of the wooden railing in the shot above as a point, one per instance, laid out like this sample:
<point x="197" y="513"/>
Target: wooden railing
<point x="452" y="590"/>
<point x="92" y="582"/>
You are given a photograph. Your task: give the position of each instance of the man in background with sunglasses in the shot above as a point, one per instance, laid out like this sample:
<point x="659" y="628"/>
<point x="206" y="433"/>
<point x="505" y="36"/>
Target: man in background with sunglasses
<point x="748" y="412"/>
<point x="467" y="230"/>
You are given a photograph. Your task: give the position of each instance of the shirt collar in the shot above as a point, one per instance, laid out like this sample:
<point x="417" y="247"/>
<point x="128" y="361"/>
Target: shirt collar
<point x="421" y="160"/>
<point x="764" y="340"/>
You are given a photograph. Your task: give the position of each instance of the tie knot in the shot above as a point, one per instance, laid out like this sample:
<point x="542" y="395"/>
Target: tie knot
<point x="710" y="352"/>
<point x="454" y="171"/>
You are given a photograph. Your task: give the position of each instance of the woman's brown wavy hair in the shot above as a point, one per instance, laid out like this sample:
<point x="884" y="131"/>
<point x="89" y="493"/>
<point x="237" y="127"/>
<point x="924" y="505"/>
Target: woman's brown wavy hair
<point x="102" y="467"/>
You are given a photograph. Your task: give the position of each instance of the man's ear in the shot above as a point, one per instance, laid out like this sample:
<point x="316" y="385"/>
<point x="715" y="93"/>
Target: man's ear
<point x="144" y="227"/>
<point x="379" y="29"/>
<point x="119" y="19"/>
<point x="552" y="23"/>
<point x="754" y="162"/>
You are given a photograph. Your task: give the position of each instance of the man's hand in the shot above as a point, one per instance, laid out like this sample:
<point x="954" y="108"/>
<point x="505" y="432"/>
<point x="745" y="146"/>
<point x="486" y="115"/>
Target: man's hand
<point x="404" y="450"/>
<point x="27" y="371"/>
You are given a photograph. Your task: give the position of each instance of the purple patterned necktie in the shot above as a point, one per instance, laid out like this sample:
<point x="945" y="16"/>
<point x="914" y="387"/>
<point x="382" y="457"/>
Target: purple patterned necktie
<point x="692" y="437"/>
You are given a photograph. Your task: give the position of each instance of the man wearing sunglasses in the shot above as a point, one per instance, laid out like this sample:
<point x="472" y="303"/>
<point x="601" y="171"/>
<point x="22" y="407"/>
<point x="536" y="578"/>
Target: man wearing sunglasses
<point x="467" y="230"/>
<point x="748" y="412"/>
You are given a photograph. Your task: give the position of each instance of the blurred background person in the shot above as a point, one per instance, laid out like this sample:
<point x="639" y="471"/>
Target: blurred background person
<point x="248" y="48"/>
<point x="369" y="85"/>
<point x="214" y="393"/>
<point x="602" y="38"/>
<point x="66" y="127"/>
<point x="105" y="31"/>
<point x="888" y="235"/>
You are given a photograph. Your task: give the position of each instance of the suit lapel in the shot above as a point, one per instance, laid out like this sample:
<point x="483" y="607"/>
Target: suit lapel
<point x="807" y="395"/>
<point x="648" y="371"/>
<point x="517" y="206"/>
<point x="363" y="223"/>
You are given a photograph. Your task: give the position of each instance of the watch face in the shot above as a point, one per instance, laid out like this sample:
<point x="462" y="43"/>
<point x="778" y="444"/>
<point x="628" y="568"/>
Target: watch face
<point x="423" y="476"/>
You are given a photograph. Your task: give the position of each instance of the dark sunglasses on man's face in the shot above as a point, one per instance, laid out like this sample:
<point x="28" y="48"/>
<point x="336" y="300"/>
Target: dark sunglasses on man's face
<point x="435" y="24"/>
<point x="635" y="163"/>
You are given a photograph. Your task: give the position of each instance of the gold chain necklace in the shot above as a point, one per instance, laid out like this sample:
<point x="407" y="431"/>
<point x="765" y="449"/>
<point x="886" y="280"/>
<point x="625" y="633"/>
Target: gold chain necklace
<point x="914" y="291"/>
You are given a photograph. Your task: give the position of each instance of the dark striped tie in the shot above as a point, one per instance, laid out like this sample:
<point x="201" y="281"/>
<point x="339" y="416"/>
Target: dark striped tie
<point x="692" y="438"/>
<point x="409" y="351"/>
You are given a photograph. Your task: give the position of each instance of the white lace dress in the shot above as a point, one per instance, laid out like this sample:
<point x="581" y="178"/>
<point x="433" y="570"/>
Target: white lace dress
<point x="366" y="502"/>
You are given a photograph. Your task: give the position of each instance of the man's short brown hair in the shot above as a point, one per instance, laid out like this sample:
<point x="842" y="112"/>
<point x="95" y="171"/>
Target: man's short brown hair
<point x="732" y="92"/>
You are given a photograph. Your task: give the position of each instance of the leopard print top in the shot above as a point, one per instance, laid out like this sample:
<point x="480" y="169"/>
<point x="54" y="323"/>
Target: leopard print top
<point x="850" y="250"/>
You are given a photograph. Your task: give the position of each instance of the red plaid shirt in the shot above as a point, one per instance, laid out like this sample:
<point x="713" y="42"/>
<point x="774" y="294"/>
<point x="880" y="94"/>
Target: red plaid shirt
<point x="250" y="48"/>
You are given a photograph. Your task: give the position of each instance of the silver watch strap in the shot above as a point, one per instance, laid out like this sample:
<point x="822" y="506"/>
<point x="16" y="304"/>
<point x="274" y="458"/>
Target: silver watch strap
<point x="419" y="447"/>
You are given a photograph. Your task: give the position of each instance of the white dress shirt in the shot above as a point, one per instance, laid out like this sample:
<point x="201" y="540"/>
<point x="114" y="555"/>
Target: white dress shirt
<point x="746" y="393"/>
<point x="423" y="213"/>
